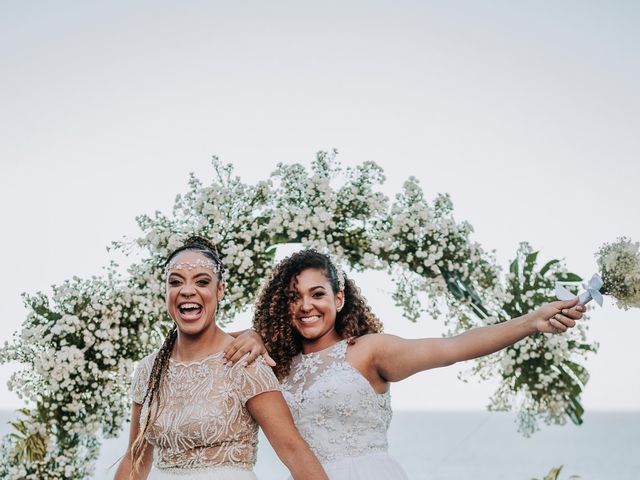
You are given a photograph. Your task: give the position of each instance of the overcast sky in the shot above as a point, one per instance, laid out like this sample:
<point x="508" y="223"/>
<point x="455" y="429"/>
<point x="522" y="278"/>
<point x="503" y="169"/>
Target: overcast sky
<point x="527" y="113"/>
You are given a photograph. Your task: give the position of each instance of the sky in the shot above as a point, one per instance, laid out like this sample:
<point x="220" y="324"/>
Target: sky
<point x="527" y="113"/>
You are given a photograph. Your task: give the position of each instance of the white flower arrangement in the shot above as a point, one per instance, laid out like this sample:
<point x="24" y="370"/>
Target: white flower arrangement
<point x="79" y="345"/>
<point x="619" y="264"/>
<point x="542" y="376"/>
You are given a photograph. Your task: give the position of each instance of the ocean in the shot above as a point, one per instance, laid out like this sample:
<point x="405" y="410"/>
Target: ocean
<point x="476" y="445"/>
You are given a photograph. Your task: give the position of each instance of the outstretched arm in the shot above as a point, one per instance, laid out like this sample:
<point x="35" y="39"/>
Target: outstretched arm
<point x="395" y="358"/>
<point x="272" y="414"/>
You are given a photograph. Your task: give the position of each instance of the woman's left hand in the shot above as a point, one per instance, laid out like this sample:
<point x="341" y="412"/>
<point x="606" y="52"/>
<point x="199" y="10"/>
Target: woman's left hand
<point x="248" y="343"/>
<point x="558" y="317"/>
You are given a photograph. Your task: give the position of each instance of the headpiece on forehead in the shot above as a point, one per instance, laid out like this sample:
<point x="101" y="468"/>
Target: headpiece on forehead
<point x="199" y="263"/>
<point x="201" y="245"/>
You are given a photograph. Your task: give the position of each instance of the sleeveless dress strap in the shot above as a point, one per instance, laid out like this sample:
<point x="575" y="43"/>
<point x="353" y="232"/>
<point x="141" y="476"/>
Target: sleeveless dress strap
<point x="340" y="350"/>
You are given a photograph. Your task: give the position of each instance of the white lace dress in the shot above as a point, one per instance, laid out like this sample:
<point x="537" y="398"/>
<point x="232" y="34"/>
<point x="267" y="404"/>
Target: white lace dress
<point x="341" y="417"/>
<point x="203" y="430"/>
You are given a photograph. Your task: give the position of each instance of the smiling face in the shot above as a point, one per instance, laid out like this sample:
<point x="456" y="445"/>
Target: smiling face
<point x="314" y="308"/>
<point x="193" y="292"/>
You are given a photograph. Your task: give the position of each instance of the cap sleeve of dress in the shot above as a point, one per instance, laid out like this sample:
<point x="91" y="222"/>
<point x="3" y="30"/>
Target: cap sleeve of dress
<point x="141" y="378"/>
<point x="255" y="379"/>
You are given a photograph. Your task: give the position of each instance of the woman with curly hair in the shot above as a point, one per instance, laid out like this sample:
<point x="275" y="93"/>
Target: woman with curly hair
<point x="335" y="365"/>
<point x="194" y="417"/>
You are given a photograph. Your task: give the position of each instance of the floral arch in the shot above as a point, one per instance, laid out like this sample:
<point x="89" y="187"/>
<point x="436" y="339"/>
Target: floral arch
<point x="78" y="345"/>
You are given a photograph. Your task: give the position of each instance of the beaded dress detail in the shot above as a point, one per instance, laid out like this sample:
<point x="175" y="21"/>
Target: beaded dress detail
<point x="334" y="407"/>
<point x="202" y="421"/>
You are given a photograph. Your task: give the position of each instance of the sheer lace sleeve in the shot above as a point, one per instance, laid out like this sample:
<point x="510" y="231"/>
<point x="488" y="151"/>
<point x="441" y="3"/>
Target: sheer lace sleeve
<point x="255" y="379"/>
<point x="141" y="378"/>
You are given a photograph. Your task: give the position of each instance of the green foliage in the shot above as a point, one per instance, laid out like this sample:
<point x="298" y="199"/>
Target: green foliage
<point x="541" y="372"/>
<point x="554" y="474"/>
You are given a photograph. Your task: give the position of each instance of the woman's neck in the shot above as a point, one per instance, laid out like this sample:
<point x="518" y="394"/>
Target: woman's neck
<point x="317" y="344"/>
<point x="194" y="347"/>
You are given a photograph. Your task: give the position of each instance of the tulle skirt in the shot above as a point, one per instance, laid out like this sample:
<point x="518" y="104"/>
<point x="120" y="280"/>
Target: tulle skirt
<point x="372" y="466"/>
<point x="214" y="473"/>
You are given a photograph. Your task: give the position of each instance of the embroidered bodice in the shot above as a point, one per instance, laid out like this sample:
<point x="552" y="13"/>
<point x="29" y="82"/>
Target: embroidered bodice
<point x="202" y="420"/>
<point x="334" y="407"/>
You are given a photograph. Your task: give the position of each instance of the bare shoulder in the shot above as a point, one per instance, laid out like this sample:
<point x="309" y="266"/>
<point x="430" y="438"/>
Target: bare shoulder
<point x="368" y="353"/>
<point x="372" y="342"/>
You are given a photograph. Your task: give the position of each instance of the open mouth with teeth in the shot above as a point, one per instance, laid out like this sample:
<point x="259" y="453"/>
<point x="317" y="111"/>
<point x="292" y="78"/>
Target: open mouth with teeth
<point x="190" y="311"/>
<point x="309" y="319"/>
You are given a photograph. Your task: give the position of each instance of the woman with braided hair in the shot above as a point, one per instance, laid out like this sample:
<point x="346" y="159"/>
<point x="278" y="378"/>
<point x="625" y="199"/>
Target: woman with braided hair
<point x="335" y="365"/>
<point x="194" y="417"/>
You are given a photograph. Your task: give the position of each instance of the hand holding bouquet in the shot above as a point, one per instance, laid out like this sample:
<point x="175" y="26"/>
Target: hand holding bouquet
<point x="619" y="264"/>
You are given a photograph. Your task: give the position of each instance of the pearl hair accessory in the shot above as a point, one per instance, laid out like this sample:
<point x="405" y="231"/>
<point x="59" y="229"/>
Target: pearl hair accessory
<point x="340" y="275"/>
<point x="199" y="263"/>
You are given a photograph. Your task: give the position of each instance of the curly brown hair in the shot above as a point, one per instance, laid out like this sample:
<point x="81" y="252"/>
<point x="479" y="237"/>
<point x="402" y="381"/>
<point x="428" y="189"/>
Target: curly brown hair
<point x="272" y="315"/>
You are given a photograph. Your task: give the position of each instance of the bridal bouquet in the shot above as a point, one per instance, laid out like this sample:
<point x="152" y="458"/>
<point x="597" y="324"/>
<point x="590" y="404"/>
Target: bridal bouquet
<point x="619" y="264"/>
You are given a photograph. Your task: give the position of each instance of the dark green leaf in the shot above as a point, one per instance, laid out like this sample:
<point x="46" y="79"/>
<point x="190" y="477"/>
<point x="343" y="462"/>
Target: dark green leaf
<point x="568" y="277"/>
<point x="547" y="266"/>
